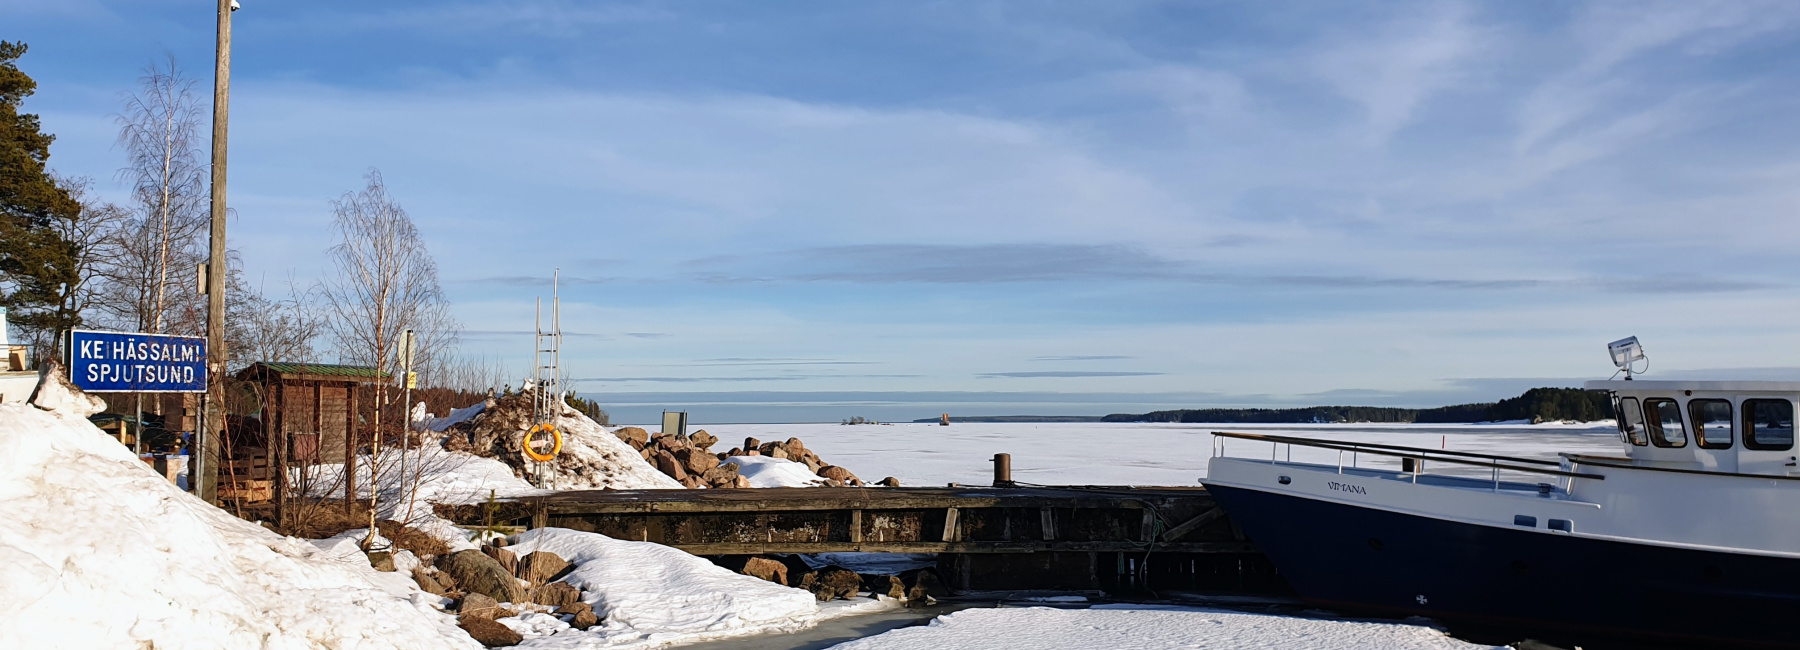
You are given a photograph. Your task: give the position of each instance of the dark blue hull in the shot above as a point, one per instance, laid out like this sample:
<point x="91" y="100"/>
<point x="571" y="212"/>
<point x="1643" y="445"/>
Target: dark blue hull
<point x="1363" y="559"/>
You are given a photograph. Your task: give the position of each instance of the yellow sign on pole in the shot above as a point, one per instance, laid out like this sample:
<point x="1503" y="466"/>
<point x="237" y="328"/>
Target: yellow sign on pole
<point x="412" y="380"/>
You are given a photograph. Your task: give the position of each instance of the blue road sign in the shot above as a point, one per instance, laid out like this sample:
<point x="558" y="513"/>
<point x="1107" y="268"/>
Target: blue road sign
<point x="102" y="362"/>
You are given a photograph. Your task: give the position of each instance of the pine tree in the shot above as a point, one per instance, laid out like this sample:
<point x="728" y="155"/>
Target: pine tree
<point x="38" y="266"/>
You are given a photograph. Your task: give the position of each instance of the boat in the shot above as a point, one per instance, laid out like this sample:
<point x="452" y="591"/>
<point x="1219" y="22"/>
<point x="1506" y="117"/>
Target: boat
<point x="1690" y="536"/>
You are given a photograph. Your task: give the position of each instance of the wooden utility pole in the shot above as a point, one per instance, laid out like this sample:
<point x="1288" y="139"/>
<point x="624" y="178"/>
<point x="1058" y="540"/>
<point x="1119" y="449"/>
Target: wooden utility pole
<point x="205" y="457"/>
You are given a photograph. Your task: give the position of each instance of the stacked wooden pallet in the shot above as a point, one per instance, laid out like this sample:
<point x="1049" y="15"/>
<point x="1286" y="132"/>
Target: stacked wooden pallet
<point x="247" y="479"/>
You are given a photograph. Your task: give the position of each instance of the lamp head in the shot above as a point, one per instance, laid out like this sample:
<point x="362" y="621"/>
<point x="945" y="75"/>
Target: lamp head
<point x="1625" y="351"/>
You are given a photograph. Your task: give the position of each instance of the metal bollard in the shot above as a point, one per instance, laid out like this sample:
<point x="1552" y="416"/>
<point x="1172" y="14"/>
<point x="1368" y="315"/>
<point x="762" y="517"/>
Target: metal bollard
<point x="1003" y="470"/>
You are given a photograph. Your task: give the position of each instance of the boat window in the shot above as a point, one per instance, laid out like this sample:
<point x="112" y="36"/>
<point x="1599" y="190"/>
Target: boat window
<point x="1664" y="422"/>
<point x="1769" y="424"/>
<point x="1631" y="421"/>
<point x="1712" y="422"/>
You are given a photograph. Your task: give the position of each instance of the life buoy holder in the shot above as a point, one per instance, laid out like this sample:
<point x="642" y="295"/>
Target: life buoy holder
<point x="556" y="441"/>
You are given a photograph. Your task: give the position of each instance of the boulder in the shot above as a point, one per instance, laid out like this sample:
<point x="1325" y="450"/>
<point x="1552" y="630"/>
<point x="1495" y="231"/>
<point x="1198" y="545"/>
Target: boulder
<point x="721" y="472"/>
<point x="923" y="586"/>
<point x="648" y="454"/>
<point x="692" y="482"/>
<point x="768" y="449"/>
<point x="383" y="561"/>
<point x="832" y="482"/>
<point x="813" y="464"/>
<point x="832" y="583"/>
<point x="776" y="452"/>
<point x="752" y="452"/>
<point x="836" y="473"/>
<point x="556" y="594"/>
<point x="742" y="481"/>
<point x="696" y="461"/>
<point x="795" y="448"/>
<point x="884" y="585"/>
<point x="734" y="452"/>
<point x="488" y="632"/>
<point x="583" y="613"/>
<point x="539" y="567"/>
<point x="428" y="583"/>
<point x="507" y="559"/>
<point x="666" y="463"/>
<point x="889" y="482"/>
<point x="477" y="573"/>
<point x="751" y="444"/>
<point x="702" y="439"/>
<point x="766" y="569"/>
<point x="480" y="605"/>
<point x="633" y="436"/>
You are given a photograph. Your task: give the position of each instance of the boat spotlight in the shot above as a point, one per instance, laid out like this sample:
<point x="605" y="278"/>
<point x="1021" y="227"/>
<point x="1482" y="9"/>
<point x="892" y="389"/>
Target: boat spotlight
<point x="1625" y="352"/>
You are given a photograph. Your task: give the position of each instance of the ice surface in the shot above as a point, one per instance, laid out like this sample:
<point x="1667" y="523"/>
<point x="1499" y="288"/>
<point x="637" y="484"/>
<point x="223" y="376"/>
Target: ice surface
<point x="100" y="552"/>
<point x="1108" y="453"/>
<point x="652" y="595"/>
<point x="1150" y="628"/>
<point x="768" y="471"/>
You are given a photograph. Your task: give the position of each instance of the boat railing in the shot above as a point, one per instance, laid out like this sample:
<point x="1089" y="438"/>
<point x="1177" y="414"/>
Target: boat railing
<point x="1417" y="455"/>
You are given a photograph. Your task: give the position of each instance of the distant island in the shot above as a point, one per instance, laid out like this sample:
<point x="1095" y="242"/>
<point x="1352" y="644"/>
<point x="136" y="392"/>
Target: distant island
<point x="1535" y="405"/>
<point x="1021" y="418"/>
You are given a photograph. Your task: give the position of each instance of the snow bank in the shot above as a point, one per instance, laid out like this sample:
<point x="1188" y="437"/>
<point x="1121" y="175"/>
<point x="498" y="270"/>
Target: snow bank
<point x="1141" y="627"/>
<point x="100" y="552"/>
<point x="651" y="595"/>
<point x="768" y="471"/>
<point x="593" y="458"/>
<point x="441" y="476"/>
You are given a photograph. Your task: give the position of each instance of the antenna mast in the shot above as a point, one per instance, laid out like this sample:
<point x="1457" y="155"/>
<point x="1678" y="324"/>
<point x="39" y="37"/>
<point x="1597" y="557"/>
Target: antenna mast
<point x="546" y="379"/>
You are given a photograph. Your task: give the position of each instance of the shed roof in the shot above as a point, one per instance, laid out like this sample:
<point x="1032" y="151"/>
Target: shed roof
<point x="313" y="371"/>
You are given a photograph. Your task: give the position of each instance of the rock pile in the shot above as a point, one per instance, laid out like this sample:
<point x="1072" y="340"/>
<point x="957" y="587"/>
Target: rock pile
<point x="494" y="583"/>
<point x="685" y="458"/>
<point x="590" y="458"/>
<point x="918" y="586"/>
<point x="796" y="451"/>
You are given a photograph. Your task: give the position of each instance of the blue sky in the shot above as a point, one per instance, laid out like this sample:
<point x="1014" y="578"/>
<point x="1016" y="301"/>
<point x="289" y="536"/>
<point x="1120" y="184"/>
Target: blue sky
<point x="808" y="211"/>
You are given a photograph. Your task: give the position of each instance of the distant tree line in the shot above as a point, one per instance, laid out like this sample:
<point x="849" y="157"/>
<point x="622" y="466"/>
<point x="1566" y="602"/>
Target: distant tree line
<point x="1537" y="404"/>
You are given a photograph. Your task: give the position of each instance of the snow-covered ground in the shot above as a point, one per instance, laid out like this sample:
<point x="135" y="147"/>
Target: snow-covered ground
<point x="100" y="552"/>
<point x="652" y="595"/>
<point x="1128" y="453"/>
<point x="1143" y="627"/>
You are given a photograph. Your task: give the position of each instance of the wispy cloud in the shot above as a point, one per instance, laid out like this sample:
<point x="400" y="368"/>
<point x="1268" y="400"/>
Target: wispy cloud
<point x="1021" y="263"/>
<point x="1068" y="373"/>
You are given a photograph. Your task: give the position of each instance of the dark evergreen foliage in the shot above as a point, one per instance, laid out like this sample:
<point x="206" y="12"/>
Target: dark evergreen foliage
<point x="37" y="265"/>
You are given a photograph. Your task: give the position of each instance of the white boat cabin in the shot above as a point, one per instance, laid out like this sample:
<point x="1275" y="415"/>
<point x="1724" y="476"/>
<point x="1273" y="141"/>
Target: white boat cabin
<point x="1741" y="427"/>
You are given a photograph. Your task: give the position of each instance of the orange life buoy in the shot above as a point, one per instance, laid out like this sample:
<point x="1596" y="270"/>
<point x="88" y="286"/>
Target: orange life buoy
<point x="556" y="441"/>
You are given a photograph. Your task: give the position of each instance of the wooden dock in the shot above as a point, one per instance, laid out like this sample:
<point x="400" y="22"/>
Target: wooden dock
<point x="1086" y="537"/>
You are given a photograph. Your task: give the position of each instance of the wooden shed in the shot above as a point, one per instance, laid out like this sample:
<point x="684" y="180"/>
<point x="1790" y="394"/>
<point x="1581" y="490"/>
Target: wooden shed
<point x="309" y="415"/>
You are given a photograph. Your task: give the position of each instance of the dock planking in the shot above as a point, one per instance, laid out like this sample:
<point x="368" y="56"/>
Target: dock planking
<point x="956" y="519"/>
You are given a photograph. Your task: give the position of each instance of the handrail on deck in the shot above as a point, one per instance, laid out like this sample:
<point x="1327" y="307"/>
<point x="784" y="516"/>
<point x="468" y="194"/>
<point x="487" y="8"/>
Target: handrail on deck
<point x="1417" y="453"/>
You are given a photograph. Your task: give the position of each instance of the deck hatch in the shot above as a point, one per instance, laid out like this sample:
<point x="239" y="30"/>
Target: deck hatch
<point x="1527" y="521"/>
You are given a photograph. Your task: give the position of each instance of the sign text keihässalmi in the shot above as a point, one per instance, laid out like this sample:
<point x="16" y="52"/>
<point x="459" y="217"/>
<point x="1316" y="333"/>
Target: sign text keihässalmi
<point x="126" y="362"/>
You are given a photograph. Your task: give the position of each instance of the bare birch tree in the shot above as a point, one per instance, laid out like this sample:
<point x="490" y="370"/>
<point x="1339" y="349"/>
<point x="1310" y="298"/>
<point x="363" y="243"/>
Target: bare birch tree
<point x="385" y="283"/>
<point x="151" y="285"/>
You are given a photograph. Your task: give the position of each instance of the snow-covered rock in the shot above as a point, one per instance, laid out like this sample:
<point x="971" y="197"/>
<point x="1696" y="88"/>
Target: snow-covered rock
<point x="768" y="471"/>
<point x="55" y="393"/>
<point x="652" y="595"/>
<point x="591" y="457"/>
<point x="100" y="552"/>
